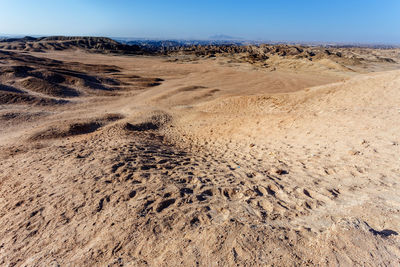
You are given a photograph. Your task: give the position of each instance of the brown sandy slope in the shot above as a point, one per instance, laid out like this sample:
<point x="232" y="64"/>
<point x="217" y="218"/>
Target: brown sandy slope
<point x="206" y="162"/>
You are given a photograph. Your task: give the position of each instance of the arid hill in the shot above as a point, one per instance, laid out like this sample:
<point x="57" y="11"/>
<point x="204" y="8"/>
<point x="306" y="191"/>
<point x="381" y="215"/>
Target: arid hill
<point x="263" y="55"/>
<point x="33" y="80"/>
<point x="58" y="43"/>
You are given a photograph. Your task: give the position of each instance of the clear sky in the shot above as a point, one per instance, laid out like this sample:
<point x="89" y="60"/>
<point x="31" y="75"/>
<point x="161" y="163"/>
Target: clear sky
<point x="365" y="21"/>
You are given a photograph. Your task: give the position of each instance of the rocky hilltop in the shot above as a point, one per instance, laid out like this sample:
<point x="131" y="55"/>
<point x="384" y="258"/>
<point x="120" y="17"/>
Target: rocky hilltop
<point x="93" y="44"/>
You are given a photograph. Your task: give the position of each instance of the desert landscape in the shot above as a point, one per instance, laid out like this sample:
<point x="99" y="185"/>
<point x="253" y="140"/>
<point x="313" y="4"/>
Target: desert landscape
<point x="206" y="155"/>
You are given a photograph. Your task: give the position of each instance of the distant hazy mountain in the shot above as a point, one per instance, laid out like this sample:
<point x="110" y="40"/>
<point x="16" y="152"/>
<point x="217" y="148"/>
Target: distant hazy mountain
<point x="224" y="37"/>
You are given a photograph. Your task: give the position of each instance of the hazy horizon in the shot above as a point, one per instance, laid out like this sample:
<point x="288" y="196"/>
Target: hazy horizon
<point x="366" y="22"/>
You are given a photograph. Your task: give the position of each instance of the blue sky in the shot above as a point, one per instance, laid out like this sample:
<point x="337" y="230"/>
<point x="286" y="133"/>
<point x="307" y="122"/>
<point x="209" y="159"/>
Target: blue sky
<point x="365" y="21"/>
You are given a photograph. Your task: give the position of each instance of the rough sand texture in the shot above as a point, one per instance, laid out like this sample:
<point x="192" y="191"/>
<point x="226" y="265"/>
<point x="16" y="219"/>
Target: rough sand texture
<point x="205" y="162"/>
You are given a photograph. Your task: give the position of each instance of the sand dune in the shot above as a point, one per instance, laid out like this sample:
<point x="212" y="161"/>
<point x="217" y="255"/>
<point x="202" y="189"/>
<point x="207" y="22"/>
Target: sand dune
<point x="151" y="161"/>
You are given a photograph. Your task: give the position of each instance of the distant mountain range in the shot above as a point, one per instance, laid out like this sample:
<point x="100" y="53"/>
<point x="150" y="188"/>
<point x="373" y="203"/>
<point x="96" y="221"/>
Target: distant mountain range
<point x="224" y="37"/>
<point x="219" y="39"/>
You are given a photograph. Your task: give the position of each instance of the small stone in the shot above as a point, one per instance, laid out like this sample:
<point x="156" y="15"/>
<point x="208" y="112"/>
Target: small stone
<point x="282" y="172"/>
<point x="354" y="152"/>
<point x="250" y="175"/>
<point x="266" y="205"/>
<point x="263" y="190"/>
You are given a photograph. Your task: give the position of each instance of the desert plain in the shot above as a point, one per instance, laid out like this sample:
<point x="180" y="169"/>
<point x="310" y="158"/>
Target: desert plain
<point x="275" y="155"/>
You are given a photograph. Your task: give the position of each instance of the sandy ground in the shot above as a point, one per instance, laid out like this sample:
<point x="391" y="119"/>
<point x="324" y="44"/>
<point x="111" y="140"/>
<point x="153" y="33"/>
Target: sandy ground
<point x="221" y="164"/>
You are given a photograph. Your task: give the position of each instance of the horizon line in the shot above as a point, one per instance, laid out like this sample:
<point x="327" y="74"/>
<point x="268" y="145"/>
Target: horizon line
<point x="233" y="39"/>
